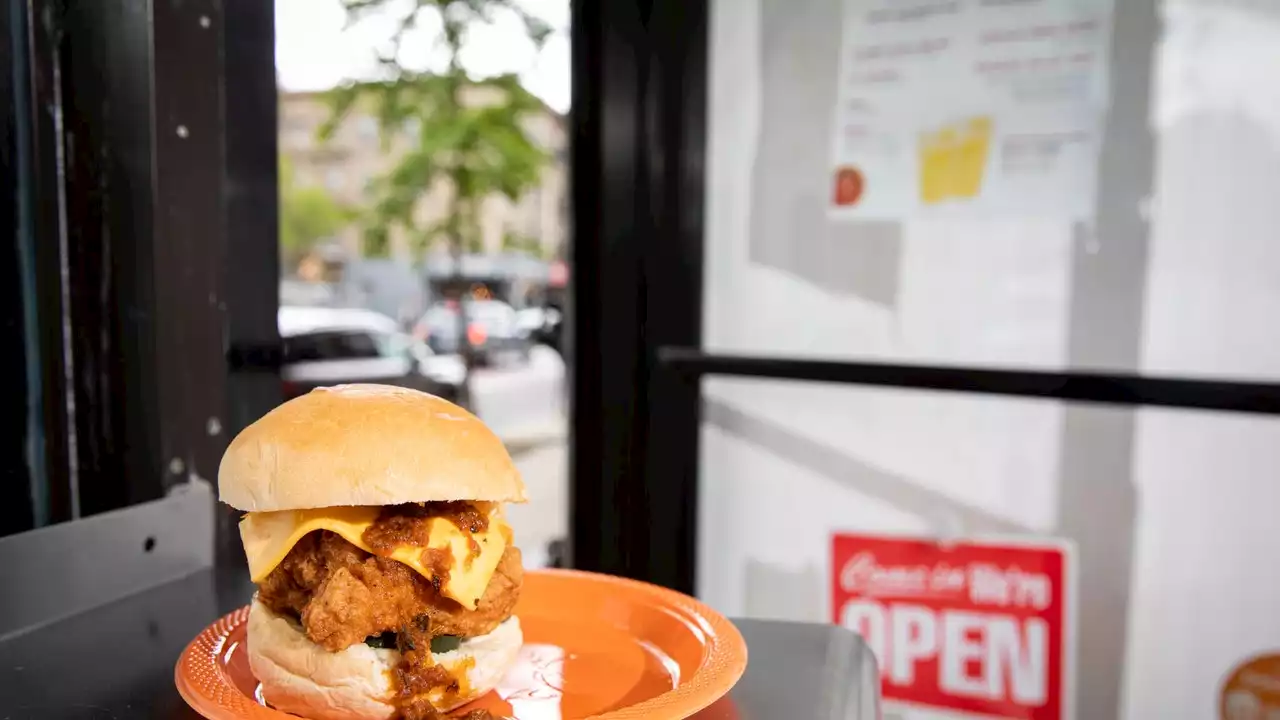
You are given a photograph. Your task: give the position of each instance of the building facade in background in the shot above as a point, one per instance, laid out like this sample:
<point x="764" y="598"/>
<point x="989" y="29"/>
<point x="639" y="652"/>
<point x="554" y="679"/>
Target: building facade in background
<point x="355" y="156"/>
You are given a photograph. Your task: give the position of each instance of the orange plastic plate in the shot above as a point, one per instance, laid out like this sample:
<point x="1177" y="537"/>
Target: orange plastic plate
<point x="595" y="646"/>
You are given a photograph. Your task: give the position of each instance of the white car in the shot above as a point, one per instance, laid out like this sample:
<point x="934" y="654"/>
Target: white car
<point x="331" y="346"/>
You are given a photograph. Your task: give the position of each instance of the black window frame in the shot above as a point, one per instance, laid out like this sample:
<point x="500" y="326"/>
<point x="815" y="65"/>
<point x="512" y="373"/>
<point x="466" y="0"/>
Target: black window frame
<point x="140" y="181"/>
<point x="144" y="213"/>
<point x="637" y="147"/>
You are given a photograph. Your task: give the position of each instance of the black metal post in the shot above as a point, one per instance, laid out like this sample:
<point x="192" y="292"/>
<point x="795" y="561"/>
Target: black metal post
<point x="605" y="323"/>
<point x="38" y="38"/>
<point x="21" y="473"/>
<point x="252" y="281"/>
<point x="636" y="137"/>
<point x="673" y="268"/>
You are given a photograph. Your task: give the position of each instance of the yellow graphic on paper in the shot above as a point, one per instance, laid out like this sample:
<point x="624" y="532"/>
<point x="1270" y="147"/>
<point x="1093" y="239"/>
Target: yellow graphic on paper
<point x="952" y="160"/>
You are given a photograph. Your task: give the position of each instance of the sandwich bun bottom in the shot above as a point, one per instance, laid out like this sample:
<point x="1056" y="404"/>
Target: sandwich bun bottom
<point x="303" y="678"/>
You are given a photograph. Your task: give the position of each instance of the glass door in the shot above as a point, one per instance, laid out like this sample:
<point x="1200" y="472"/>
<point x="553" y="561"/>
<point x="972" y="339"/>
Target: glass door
<point x="986" y="372"/>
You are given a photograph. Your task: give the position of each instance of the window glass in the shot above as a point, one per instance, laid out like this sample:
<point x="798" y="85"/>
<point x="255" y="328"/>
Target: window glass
<point x="370" y="214"/>
<point x="391" y="344"/>
<point x="353" y="345"/>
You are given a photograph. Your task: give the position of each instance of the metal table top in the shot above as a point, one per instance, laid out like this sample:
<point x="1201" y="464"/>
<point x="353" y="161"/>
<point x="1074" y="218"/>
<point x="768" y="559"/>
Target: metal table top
<point x="116" y="662"/>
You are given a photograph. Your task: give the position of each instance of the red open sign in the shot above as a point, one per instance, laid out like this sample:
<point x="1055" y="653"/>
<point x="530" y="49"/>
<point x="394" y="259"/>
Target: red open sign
<point x="975" y="627"/>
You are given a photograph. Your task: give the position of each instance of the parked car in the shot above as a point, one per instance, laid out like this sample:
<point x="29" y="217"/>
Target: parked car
<point x="306" y="294"/>
<point x="332" y="346"/>
<point x="493" y="331"/>
<point x="542" y="324"/>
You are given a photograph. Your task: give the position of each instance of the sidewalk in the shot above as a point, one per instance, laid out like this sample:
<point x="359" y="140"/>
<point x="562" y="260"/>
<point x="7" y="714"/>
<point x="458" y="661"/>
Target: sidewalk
<point x="522" y="438"/>
<point x="545" y="468"/>
<point x="524" y="404"/>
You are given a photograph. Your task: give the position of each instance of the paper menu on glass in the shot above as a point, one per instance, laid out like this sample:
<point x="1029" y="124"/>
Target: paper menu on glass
<point x="969" y="108"/>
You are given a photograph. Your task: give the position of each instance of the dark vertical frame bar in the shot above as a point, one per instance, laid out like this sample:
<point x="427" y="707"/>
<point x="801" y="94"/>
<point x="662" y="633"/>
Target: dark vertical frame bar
<point x="82" y="185"/>
<point x="17" y="472"/>
<point x="188" y="251"/>
<point x="123" y="231"/>
<point x="252" y="203"/>
<point x="105" y="90"/>
<point x="139" y="85"/>
<point x="673" y="271"/>
<point x="44" y="224"/>
<point x="146" y="198"/>
<point x="604" y="319"/>
<point x="638" y="126"/>
<point x="45" y="227"/>
<point x="252" y="291"/>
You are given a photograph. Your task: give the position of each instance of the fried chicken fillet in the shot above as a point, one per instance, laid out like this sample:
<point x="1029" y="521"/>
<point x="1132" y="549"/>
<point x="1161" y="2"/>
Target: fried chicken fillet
<point x="344" y="595"/>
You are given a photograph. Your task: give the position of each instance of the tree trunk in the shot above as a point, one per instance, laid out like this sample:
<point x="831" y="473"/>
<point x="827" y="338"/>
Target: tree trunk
<point x="458" y="208"/>
<point x="464" y="337"/>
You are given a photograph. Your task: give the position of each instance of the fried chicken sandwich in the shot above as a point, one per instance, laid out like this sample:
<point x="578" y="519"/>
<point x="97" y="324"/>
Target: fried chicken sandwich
<point x="374" y="531"/>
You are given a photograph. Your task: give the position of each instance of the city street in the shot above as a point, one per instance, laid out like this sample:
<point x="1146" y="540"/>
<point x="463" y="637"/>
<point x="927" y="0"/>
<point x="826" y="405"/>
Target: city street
<point x="546" y="516"/>
<point x="526" y="407"/>
<point x="524" y="403"/>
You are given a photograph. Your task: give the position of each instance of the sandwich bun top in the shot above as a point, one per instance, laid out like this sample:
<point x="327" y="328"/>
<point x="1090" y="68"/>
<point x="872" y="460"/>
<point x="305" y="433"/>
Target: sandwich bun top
<point x="365" y="445"/>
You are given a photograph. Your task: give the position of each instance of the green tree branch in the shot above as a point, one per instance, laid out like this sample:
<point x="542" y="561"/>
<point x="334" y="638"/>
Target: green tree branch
<point x="469" y="138"/>
<point x="308" y="215"/>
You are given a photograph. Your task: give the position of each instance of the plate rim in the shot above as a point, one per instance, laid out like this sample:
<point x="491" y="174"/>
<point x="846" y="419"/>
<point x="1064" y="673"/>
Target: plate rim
<point x="723" y="663"/>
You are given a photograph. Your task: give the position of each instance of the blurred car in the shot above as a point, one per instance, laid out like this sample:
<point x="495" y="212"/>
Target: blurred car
<point x="493" y="331"/>
<point x="332" y="346"/>
<point x="307" y="294"/>
<point x="542" y="324"/>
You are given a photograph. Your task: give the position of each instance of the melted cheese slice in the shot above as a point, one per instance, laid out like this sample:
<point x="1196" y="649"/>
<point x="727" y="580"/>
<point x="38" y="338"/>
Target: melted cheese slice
<point x="269" y="536"/>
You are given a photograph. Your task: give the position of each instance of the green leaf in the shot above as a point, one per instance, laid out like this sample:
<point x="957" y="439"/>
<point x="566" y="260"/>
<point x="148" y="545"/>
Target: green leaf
<point x="308" y="214"/>
<point x="537" y="28"/>
<point x="341" y="100"/>
<point x="445" y="643"/>
<point x="376" y="242"/>
<point x="469" y="139"/>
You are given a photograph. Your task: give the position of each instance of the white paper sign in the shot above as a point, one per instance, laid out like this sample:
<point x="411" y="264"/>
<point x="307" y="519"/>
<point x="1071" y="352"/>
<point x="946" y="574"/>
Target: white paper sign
<point x="987" y="108"/>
